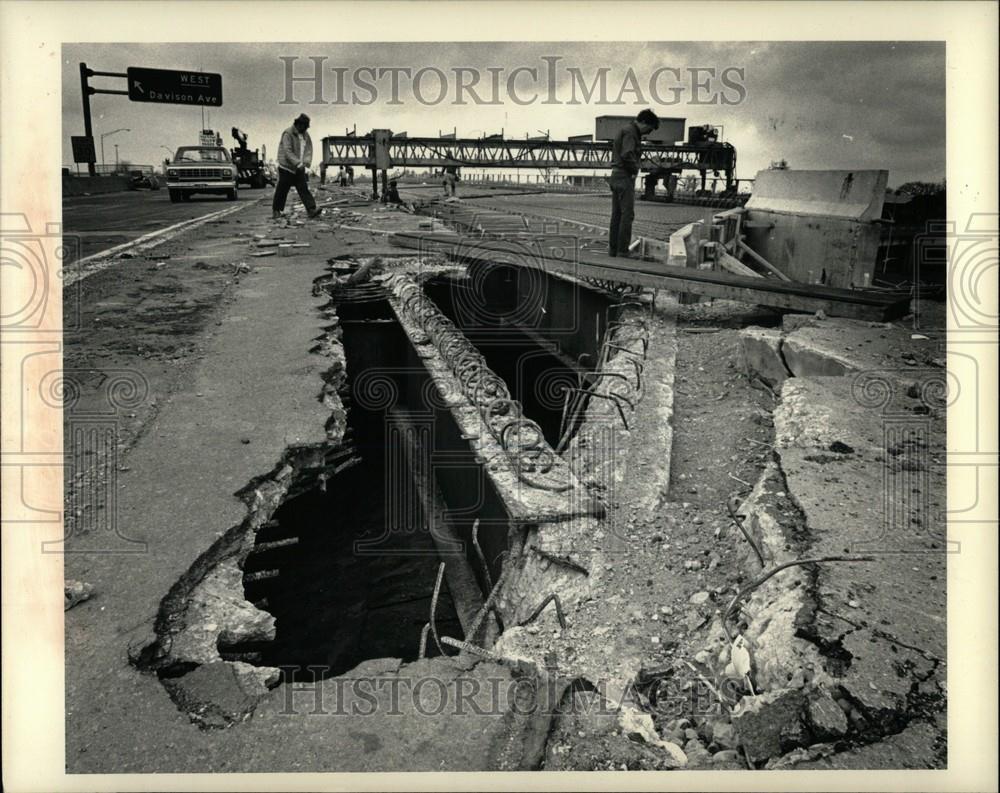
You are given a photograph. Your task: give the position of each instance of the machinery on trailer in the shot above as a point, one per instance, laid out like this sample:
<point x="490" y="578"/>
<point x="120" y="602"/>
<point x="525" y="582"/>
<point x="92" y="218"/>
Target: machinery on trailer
<point x="250" y="165"/>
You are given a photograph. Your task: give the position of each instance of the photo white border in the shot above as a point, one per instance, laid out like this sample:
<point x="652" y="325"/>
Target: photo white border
<point x="31" y="37"/>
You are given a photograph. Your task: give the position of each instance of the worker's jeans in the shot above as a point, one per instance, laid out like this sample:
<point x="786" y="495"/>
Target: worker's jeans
<point x="300" y="181"/>
<point x="622" y="214"/>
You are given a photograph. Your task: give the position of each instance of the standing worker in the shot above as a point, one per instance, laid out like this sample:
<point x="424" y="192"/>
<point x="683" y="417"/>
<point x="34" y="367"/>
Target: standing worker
<point x="450" y="180"/>
<point x="626" y="151"/>
<point x="294" y="159"/>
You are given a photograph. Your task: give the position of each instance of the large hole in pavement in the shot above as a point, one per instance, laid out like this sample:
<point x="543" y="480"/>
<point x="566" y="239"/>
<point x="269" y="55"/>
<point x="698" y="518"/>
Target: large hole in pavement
<point x="348" y="566"/>
<point x="345" y="590"/>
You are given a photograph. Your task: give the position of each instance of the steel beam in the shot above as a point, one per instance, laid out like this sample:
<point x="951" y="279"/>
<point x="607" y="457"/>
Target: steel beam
<point x="550" y="256"/>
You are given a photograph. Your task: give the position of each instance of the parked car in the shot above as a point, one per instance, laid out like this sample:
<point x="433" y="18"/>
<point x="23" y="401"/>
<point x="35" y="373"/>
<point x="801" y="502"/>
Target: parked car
<point x="201" y="169"/>
<point x="138" y="180"/>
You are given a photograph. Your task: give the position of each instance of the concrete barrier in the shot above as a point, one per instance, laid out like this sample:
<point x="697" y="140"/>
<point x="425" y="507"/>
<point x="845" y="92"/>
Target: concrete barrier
<point x="82" y="185"/>
<point x="818" y="227"/>
<point x="851" y="195"/>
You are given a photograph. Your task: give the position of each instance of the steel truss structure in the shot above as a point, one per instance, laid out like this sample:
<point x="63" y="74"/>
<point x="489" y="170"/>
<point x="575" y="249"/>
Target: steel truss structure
<point x="380" y="150"/>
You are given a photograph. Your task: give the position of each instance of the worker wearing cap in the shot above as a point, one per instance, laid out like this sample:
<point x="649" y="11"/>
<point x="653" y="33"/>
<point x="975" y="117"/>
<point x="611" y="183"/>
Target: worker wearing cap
<point x="294" y="159"/>
<point x="626" y="151"/>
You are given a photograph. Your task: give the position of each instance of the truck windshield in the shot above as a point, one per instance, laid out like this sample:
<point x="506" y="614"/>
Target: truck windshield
<point x="195" y="154"/>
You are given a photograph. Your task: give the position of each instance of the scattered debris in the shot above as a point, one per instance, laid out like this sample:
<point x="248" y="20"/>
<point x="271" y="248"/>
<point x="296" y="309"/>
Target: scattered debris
<point x="76" y="592"/>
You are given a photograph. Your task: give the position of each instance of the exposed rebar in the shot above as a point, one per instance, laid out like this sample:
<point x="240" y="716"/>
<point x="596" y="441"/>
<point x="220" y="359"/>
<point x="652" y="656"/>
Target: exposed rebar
<point x="746" y="533"/>
<point x="479" y="553"/>
<point x="742" y="593"/>
<point x="553" y="598"/>
<point x="434" y="600"/>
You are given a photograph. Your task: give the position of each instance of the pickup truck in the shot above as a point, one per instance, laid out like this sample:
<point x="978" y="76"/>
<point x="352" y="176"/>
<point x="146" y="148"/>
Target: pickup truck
<point x="201" y="169"/>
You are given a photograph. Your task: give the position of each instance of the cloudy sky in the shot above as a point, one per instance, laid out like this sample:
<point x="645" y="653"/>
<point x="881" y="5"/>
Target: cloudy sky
<point x="817" y="105"/>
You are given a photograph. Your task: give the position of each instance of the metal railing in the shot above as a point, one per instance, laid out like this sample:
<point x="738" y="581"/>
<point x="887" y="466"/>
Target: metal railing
<point x="122" y="169"/>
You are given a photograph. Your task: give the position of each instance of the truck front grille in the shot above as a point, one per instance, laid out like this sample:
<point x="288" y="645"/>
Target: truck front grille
<point x="199" y="174"/>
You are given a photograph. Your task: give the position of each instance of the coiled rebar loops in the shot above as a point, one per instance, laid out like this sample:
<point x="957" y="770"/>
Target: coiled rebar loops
<point x="521" y="438"/>
<point x="625" y="387"/>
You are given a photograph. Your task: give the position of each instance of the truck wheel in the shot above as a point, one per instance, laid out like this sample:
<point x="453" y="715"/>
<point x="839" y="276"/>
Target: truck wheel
<point x="175" y="196"/>
<point x="231" y="195"/>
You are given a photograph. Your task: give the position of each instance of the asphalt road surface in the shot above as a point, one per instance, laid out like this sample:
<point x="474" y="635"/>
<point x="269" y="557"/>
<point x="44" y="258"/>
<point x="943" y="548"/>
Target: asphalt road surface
<point x="93" y="223"/>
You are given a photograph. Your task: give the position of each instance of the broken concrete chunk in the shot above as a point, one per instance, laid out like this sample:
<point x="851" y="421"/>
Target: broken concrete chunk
<point x="795" y="733"/>
<point x="760" y="721"/>
<point x="826" y="716"/>
<point x="811" y="360"/>
<point x="760" y="354"/>
<point x="75" y="592"/>
<point x="639" y="727"/>
<point x="792" y="322"/>
<point x="212" y="695"/>
<point x="256" y="679"/>
<point x="797" y="756"/>
<point x="724" y="735"/>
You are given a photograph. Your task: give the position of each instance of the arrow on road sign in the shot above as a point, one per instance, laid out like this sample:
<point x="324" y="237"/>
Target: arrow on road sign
<point x="174" y="87"/>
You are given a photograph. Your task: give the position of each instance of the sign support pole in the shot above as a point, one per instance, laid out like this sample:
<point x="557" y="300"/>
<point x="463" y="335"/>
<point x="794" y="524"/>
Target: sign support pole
<point x="88" y="127"/>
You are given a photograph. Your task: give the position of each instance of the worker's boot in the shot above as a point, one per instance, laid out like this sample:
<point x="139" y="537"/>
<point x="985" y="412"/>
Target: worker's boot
<point x="276" y="215"/>
<point x="316" y="212"/>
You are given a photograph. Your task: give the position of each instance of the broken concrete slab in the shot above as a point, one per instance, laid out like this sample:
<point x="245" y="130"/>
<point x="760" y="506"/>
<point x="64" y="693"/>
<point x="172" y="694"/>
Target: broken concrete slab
<point x="812" y="346"/>
<point x="217" y="613"/>
<point x="803" y="359"/>
<point x="586" y="735"/>
<point x="761" y="354"/>
<point x="213" y="695"/>
<point x="920" y="745"/>
<point x="826" y="717"/>
<point x="387" y="716"/>
<point x="764" y="723"/>
<point x="850" y="479"/>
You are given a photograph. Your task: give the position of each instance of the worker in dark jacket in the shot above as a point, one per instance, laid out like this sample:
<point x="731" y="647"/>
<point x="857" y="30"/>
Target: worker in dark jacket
<point x="625" y="154"/>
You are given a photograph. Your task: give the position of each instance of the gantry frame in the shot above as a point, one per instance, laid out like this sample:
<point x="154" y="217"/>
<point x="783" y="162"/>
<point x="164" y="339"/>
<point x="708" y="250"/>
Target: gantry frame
<point x="380" y="150"/>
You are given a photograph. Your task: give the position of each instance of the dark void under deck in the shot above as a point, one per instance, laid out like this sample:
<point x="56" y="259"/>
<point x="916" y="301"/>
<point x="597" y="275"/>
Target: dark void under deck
<point x="539" y="334"/>
<point x="358" y="583"/>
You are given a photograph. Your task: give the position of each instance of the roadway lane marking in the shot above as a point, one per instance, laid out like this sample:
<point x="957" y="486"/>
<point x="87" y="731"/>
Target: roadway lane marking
<point x="96" y="262"/>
